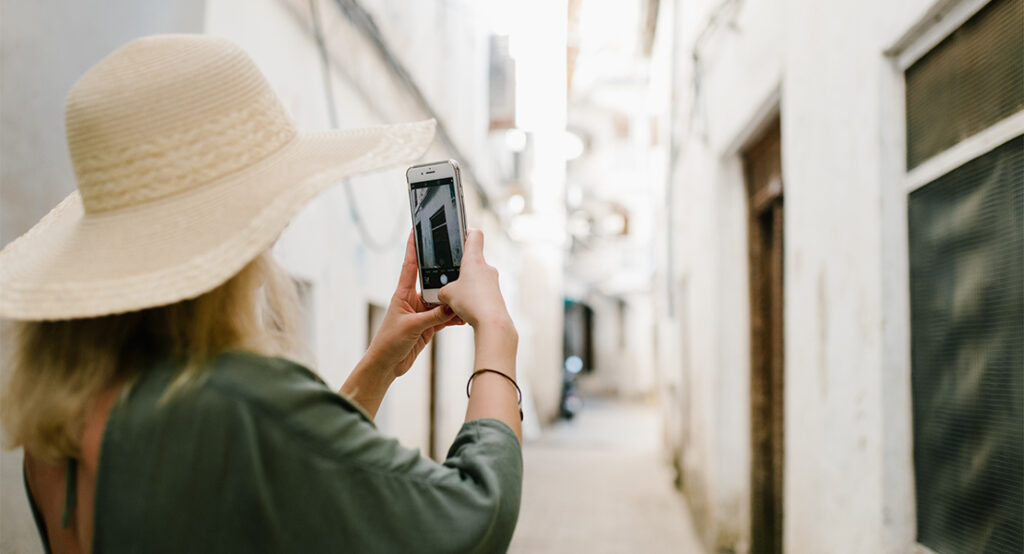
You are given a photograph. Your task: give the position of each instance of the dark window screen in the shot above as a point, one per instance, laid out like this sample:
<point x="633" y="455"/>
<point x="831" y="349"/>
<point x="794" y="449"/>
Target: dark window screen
<point x="972" y="79"/>
<point x="439" y="238"/>
<point x="967" y="315"/>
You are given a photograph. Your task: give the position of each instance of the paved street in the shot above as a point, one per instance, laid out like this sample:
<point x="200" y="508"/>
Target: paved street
<point x="600" y="484"/>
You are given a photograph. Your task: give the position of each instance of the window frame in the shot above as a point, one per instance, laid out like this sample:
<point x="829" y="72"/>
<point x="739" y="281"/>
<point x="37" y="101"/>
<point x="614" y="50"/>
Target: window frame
<point x="945" y="17"/>
<point x="971" y="148"/>
<point x="940" y="20"/>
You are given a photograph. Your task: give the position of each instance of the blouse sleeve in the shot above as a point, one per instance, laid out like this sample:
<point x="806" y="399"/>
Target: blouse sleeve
<point x="340" y="482"/>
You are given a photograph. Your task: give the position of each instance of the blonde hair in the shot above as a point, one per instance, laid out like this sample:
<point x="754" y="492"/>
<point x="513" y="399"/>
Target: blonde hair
<point x="58" y="368"/>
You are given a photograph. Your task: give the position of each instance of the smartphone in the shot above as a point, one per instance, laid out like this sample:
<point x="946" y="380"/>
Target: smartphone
<point x="438" y="224"/>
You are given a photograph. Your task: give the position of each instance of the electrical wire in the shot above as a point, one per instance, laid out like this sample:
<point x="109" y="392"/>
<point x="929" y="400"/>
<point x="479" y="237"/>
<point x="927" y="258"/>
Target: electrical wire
<point x="363" y="21"/>
<point x="332" y="115"/>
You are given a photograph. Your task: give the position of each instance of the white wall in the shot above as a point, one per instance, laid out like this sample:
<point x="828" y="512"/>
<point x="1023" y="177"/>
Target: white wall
<point x="711" y="364"/>
<point x="848" y="486"/>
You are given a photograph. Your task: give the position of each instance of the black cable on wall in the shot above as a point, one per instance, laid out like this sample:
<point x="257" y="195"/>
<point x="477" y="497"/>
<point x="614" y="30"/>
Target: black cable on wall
<point x="362" y="19"/>
<point x="332" y="115"/>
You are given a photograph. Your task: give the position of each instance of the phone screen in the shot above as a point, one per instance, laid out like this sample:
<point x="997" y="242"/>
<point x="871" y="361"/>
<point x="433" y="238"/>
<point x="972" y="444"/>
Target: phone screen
<point x="438" y="230"/>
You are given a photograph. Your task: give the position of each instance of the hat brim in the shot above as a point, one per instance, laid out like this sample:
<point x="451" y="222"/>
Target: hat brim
<point x="75" y="265"/>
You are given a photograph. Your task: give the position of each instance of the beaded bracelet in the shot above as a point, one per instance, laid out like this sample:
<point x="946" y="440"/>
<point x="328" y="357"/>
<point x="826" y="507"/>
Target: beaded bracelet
<point x="519" y="392"/>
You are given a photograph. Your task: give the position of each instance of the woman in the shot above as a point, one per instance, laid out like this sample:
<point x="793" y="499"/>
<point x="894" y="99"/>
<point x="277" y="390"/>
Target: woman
<point x="150" y="384"/>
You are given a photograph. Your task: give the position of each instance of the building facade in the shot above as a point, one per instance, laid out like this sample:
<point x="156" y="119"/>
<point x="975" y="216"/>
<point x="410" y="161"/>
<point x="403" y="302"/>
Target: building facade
<point x="844" y="197"/>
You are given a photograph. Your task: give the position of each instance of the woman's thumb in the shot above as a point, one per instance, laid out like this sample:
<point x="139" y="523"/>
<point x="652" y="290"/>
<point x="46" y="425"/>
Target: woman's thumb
<point x="474" y="244"/>
<point x="432" y="317"/>
<point x="444" y="294"/>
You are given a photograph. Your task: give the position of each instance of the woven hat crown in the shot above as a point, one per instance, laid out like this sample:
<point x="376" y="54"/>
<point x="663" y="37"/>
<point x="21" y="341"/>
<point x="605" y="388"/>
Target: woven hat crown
<point x="166" y="114"/>
<point x="188" y="167"/>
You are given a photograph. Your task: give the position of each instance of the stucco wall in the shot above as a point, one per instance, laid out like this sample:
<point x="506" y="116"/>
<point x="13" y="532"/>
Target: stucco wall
<point x="848" y="486"/>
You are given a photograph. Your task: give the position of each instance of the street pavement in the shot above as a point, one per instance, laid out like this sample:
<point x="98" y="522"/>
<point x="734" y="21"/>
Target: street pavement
<point x="599" y="483"/>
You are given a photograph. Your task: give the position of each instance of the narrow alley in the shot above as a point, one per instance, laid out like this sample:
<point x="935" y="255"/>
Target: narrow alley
<point x="600" y="483"/>
<point x="754" y="268"/>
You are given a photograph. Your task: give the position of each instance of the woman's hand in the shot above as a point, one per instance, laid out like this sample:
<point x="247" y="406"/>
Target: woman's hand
<point x="406" y="330"/>
<point x="475" y="296"/>
<point x="408" y="324"/>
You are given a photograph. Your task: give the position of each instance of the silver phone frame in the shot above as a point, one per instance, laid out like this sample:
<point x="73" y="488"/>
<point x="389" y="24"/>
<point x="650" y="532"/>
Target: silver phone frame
<point x="429" y="296"/>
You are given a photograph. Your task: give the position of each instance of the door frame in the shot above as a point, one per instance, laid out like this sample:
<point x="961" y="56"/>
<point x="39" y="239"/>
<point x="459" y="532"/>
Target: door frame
<point x="763" y="180"/>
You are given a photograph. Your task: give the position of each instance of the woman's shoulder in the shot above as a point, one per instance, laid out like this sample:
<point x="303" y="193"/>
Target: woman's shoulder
<point x="283" y="385"/>
<point x="233" y="385"/>
<point x="254" y="377"/>
<point x="234" y="374"/>
<point x="257" y="370"/>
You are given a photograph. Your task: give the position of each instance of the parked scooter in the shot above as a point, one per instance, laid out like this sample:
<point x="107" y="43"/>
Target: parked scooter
<point x="571" y="401"/>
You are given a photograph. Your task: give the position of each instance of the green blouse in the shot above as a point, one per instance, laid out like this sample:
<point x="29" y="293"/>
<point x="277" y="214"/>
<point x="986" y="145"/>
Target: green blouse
<point x="260" y="456"/>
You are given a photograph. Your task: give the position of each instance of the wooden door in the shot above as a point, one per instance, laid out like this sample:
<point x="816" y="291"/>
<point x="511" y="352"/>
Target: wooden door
<point x="763" y="171"/>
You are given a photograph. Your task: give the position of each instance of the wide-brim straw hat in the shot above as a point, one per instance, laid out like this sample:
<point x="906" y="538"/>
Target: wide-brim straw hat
<point x="187" y="168"/>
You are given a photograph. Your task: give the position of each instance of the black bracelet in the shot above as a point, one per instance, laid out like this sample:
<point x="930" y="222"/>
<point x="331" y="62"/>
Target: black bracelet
<point x="519" y="392"/>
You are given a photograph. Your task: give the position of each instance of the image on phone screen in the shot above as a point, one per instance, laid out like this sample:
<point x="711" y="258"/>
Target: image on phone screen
<point x="438" y="231"/>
